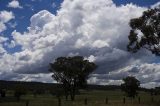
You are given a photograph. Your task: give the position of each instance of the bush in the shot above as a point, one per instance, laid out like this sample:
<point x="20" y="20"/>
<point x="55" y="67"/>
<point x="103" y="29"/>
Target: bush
<point x="3" y="93"/>
<point x="19" y="91"/>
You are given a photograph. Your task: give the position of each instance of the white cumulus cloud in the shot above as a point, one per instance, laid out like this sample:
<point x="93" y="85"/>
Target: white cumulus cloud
<point x="95" y="29"/>
<point x="14" y="4"/>
<point x="5" y="16"/>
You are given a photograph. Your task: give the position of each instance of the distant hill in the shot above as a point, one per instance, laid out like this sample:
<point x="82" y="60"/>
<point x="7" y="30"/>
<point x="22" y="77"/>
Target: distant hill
<point x="11" y="85"/>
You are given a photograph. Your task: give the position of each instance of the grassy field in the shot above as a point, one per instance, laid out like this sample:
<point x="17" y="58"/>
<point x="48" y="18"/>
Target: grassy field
<point x="94" y="98"/>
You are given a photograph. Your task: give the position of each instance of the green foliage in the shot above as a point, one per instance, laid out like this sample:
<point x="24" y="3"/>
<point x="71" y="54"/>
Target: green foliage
<point x="71" y="72"/>
<point x="3" y="93"/>
<point x="57" y="91"/>
<point x="149" y="26"/>
<point x="130" y="86"/>
<point x="38" y="91"/>
<point x="156" y="91"/>
<point x="19" y="91"/>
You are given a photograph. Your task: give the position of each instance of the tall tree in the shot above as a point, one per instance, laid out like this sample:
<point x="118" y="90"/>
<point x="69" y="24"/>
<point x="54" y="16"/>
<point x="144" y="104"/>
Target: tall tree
<point x="130" y="86"/>
<point x="145" y="32"/>
<point x="72" y="73"/>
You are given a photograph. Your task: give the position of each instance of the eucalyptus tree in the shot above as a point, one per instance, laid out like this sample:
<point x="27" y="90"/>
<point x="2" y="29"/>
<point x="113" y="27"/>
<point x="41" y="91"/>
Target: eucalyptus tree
<point x="72" y="73"/>
<point x="145" y="32"/>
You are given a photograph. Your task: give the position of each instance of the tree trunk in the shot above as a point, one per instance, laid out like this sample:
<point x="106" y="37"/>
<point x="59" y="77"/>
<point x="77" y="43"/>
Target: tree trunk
<point x="66" y="96"/>
<point x="18" y="98"/>
<point x="72" y="97"/>
<point x="66" y="90"/>
<point x="72" y="93"/>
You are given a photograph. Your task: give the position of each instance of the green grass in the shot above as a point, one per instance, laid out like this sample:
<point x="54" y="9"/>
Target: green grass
<point x="95" y="98"/>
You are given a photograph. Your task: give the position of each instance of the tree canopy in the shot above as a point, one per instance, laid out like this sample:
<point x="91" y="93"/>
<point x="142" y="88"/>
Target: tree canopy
<point x="71" y="72"/>
<point x="145" y="32"/>
<point x="130" y="86"/>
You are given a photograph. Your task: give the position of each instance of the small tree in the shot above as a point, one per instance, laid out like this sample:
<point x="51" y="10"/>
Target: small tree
<point x="145" y="32"/>
<point x="157" y="91"/>
<point x="19" y="91"/>
<point x="130" y="86"/>
<point x="72" y="73"/>
<point x="3" y="93"/>
<point x="38" y="91"/>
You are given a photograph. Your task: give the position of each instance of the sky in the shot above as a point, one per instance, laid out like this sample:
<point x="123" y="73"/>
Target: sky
<point x="34" y="33"/>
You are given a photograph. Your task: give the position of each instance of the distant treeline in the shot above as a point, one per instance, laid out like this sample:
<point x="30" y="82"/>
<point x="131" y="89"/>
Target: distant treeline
<point x="11" y="85"/>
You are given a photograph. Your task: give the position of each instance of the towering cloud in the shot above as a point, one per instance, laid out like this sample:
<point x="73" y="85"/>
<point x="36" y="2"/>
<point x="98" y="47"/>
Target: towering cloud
<point x="95" y="29"/>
